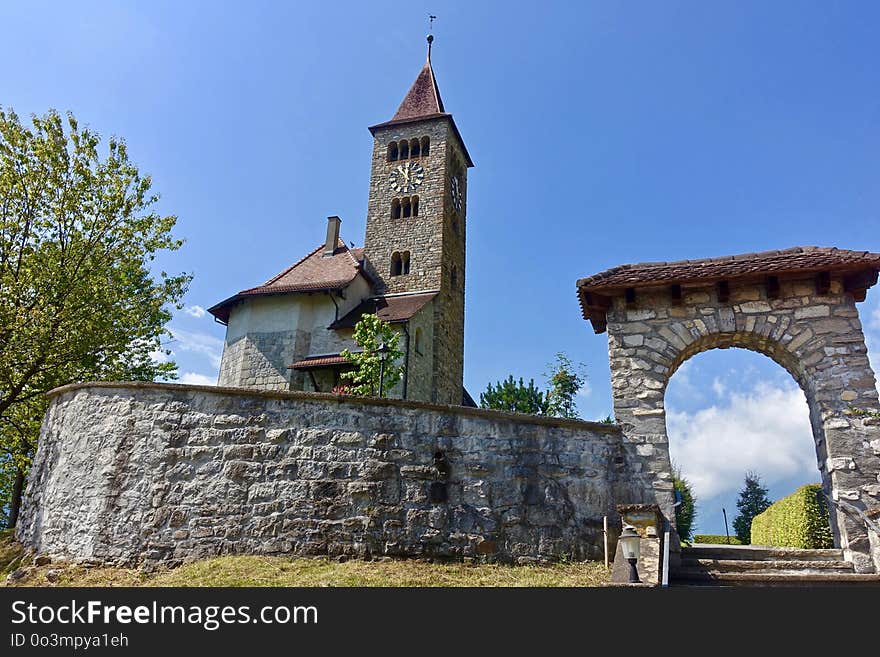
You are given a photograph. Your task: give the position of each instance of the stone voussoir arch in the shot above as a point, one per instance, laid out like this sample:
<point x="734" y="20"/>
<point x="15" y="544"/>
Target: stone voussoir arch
<point x="795" y="306"/>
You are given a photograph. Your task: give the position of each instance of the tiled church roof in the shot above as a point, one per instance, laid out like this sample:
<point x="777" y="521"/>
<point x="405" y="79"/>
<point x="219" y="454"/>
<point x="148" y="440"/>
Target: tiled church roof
<point x="393" y="309"/>
<point x="313" y="273"/>
<point x="422" y="99"/>
<point x="422" y="102"/>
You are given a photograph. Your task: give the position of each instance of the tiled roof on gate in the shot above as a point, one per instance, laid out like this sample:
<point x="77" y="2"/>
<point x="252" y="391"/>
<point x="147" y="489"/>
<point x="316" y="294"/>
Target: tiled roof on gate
<point x="797" y="259"/>
<point x="313" y="273"/>
<point x="594" y="292"/>
<point x="392" y="309"/>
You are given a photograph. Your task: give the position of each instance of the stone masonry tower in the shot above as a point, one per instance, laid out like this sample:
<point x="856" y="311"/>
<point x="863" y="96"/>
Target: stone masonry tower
<point x="415" y="237"/>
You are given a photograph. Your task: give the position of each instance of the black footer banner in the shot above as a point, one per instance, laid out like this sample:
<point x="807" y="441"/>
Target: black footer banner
<point x="174" y="620"/>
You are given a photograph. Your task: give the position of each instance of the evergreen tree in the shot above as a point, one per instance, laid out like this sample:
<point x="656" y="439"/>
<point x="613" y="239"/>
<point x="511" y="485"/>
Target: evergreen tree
<point x="509" y="395"/>
<point x="752" y="501"/>
<point x="686" y="511"/>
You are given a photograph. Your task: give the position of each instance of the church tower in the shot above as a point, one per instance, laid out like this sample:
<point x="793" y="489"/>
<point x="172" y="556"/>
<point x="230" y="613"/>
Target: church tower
<point x="415" y="237"/>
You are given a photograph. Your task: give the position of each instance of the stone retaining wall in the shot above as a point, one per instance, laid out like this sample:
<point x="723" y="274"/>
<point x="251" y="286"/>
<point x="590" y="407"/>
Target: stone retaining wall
<point x="161" y="474"/>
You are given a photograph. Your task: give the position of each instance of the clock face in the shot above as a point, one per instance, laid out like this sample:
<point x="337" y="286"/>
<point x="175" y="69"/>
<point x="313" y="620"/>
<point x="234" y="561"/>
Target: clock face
<point x="455" y="192"/>
<point x="406" y="177"/>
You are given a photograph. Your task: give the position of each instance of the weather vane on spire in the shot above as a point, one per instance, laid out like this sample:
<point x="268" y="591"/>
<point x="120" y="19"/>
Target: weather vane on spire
<point x="431" y="19"/>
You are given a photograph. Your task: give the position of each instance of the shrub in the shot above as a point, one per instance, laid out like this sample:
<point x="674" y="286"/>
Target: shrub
<point x="799" y="520"/>
<point x="716" y="538"/>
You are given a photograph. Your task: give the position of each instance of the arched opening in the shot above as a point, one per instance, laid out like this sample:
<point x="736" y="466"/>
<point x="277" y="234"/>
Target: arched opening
<point x="735" y="411"/>
<point x="415" y="206"/>
<point x="395" y="208"/>
<point x="406" y="207"/>
<point x="404" y="150"/>
<point x="418" y="341"/>
<point x="426" y="146"/>
<point x="414" y="148"/>
<point x="393" y="152"/>
<point x="404" y="262"/>
<point x="396" y="264"/>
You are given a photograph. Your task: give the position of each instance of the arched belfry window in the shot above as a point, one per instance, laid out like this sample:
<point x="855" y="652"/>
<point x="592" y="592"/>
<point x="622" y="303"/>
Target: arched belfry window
<point x="404" y="150"/>
<point x="400" y="263"/>
<point x="415" y="149"/>
<point x="426" y="146"/>
<point x="393" y="152"/>
<point x="405" y="207"/>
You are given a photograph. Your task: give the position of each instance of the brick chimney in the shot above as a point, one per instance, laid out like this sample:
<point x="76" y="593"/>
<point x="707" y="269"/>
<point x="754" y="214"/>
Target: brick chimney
<point x="332" y="235"/>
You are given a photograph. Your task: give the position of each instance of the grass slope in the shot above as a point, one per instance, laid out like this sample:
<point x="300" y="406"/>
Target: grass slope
<point x="302" y="571"/>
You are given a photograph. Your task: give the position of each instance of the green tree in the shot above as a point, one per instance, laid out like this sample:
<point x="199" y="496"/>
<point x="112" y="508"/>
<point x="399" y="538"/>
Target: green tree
<point x="566" y="379"/>
<point x="509" y="395"/>
<point x="752" y="501"/>
<point x="686" y="511"/>
<point x="77" y="298"/>
<point x="370" y="333"/>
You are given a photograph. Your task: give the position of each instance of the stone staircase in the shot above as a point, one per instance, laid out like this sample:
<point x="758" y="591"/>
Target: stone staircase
<point x="750" y="565"/>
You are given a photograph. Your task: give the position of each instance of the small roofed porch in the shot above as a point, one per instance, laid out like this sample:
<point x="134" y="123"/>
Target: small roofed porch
<point x="323" y="372"/>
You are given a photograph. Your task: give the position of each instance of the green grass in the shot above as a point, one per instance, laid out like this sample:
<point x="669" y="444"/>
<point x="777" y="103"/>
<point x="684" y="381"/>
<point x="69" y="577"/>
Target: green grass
<point x="307" y="571"/>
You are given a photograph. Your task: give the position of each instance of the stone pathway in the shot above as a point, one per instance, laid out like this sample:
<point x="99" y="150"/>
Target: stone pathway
<point x="705" y="564"/>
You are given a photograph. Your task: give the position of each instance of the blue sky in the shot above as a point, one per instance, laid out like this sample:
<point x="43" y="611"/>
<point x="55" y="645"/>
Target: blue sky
<point x="602" y="133"/>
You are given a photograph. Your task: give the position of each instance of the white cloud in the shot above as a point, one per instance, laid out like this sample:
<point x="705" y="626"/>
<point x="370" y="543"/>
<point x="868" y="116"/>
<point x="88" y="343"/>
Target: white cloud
<point x="195" y="311"/>
<point x="719" y="388"/>
<point x="195" y="378"/>
<point x="766" y="430"/>
<point x="199" y="343"/>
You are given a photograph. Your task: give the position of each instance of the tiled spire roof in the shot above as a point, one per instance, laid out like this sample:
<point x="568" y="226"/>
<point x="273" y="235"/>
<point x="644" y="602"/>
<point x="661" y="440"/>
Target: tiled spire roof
<point x="423" y="98"/>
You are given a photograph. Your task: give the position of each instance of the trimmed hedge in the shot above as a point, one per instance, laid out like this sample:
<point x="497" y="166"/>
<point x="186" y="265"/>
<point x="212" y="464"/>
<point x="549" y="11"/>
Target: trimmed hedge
<point x="799" y="520"/>
<point x="716" y="538"/>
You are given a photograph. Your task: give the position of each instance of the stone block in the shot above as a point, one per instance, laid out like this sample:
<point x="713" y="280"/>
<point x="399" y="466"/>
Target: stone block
<point x="812" y="311"/>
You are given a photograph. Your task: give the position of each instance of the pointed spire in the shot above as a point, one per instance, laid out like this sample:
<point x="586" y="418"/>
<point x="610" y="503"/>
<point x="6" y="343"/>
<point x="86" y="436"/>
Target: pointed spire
<point x="423" y="98"/>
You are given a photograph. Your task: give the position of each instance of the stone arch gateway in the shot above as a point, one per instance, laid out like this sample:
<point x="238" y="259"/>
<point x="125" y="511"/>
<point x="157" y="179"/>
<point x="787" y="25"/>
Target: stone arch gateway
<point x="796" y="306"/>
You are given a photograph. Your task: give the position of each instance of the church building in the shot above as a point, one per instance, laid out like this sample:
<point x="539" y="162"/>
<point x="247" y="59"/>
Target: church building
<point x="288" y="333"/>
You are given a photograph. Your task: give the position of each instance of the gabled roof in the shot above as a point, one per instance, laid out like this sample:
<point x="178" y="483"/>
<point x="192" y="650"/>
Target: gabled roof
<point x="313" y="273"/>
<point x="391" y="309"/>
